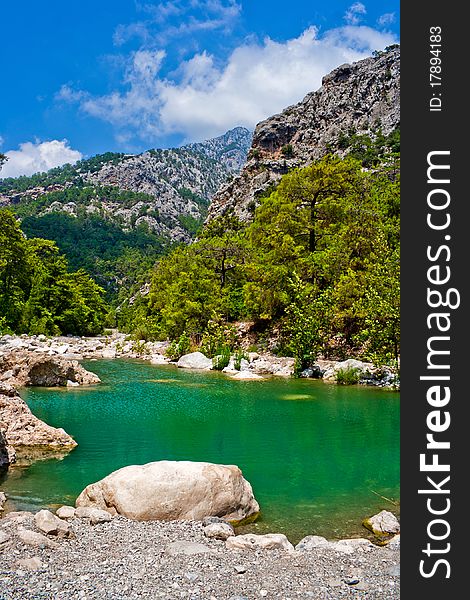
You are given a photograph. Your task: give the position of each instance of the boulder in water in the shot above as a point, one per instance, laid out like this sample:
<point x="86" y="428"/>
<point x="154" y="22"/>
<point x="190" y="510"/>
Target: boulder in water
<point x="22" y="430"/>
<point x="383" y="523"/>
<point x="29" y="368"/>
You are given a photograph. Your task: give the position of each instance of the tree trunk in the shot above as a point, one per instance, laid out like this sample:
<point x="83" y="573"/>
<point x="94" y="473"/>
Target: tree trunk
<point x="312" y="241"/>
<point x="223" y="271"/>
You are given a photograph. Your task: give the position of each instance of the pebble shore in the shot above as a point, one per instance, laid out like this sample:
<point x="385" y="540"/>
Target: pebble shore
<point x="128" y="560"/>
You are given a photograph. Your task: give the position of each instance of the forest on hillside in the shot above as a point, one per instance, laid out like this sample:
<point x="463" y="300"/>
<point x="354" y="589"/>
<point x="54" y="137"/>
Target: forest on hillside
<point x="316" y="271"/>
<point x="319" y="265"/>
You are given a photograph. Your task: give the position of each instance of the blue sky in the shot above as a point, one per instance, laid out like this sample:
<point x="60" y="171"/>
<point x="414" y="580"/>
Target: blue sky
<point x="81" y="78"/>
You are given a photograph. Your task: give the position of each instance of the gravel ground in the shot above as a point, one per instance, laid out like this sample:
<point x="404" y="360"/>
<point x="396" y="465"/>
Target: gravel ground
<point x="126" y="560"/>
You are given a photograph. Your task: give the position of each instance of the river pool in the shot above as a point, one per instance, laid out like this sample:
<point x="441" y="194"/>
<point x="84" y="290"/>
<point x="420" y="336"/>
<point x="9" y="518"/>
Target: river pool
<point x="320" y="457"/>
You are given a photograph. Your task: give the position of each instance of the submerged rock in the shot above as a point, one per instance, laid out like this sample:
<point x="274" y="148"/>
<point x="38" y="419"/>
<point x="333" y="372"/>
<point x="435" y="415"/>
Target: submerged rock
<point x="245" y="375"/>
<point x="168" y="490"/>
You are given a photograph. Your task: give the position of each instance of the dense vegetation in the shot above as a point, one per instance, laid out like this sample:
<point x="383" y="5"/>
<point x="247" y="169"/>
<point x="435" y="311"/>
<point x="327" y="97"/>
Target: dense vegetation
<point x="38" y="294"/>
<point x="319" y="264"/>
<point x="116" y="253"/>
<point x="317" y="270"/>
<point x="116" y="259"/>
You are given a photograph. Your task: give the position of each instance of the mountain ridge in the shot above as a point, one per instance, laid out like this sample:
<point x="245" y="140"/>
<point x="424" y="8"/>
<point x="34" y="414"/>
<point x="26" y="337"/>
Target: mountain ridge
<point x="358" y="99"/>
<point x="181" y="182"/>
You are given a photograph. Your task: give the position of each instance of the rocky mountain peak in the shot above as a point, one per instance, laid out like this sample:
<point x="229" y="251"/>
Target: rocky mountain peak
<point x="178" y="184"/>
<point x="361" y="98"/>
<point x="229" y="149"/>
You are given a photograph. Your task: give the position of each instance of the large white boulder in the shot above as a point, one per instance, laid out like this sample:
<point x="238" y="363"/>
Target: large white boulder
<point x="195" y="360"/>
<point x="173" y="490"/>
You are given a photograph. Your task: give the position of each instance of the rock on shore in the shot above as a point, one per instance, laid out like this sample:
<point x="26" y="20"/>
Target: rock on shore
<point x="170" y="490"/>
<point x="119" y="345"/>
<point x="194" y="360"/>
<point x="22" y="429"/>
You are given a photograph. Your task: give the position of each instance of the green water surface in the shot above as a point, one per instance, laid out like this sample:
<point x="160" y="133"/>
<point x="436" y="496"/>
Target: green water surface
<point x="316" y="454"/>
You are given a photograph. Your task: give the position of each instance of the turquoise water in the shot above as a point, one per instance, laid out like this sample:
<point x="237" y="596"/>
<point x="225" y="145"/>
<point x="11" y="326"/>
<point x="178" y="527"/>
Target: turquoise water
<point x="316" y="455"/>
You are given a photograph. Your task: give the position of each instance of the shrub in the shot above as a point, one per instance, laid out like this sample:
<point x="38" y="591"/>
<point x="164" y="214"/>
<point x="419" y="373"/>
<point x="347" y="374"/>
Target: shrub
<point x="287" y="151"/>
<point x="4" y="329"/>
<point x="216" y="338"/>
<point x="146" y="329"/>
<point x="221" y="360"/>
<point x="140" y="347"/>
<point x="179" y="348"/>
<point x="348" y="376"/>
<point x="238" y="357"/>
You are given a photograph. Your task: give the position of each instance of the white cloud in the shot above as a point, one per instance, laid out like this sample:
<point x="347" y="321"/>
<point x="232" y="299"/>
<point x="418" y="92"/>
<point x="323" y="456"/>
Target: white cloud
<point x="34" y="157"/>
<point x="193" y="17"/>
<point x="354" y="14"/>
<point x="203" y="98"/>
<point x="67" y="94"/>
<point x="386" y="19"/>
<point x="1" y="141"/>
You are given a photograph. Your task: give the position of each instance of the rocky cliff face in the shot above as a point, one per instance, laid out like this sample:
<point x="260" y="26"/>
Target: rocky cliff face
<point x="25" y="368"/>
<point x="21" y="428"/>
<point x="7" y="457"/>
<point x="362" y="97"/>
<point x="230" y="149"/>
